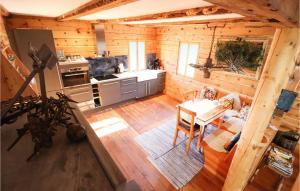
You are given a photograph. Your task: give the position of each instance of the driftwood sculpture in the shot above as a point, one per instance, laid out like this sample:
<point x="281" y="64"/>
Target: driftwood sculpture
<point x="44" y="115"/>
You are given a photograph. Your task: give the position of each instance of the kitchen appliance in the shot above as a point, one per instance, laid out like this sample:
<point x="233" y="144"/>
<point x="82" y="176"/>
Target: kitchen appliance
<point x="20" y="38"/>
<point x="74" y="75"/>
<point x="121" y="67"/>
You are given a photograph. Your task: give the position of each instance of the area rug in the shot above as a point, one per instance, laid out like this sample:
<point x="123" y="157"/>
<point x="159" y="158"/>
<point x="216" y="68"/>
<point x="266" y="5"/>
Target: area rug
<point x="172" y="162"/>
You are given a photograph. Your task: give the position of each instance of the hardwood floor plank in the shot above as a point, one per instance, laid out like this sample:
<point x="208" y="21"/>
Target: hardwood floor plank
<point x="145" y="114"/>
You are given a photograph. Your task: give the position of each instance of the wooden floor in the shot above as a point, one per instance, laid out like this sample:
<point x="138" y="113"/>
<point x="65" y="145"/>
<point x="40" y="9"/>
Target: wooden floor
<point x="63" y="167"/>
<point x="141" y="116"/>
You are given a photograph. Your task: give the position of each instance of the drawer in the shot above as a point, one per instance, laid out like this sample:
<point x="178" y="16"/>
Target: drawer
<point x="82" y="97"/>
<point x="128" y="87"/>
<point x="77" y="89"/>
<point x="128" y="81"/>
<point x="128" y="95"/>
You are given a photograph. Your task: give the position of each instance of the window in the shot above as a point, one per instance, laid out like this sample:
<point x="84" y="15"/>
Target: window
<point x="137" y="55"/>
<point x="188" y="53"/>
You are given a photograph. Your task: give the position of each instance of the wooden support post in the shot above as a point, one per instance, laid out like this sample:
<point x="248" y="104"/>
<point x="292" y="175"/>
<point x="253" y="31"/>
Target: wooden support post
<point x="279" y="65"/>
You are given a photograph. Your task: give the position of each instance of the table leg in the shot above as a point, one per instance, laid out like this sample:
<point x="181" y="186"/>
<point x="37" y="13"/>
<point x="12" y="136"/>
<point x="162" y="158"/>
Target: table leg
<point x="200" y="136"/>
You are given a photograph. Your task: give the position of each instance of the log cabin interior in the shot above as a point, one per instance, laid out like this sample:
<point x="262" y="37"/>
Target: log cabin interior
<point x="195" y="95"/>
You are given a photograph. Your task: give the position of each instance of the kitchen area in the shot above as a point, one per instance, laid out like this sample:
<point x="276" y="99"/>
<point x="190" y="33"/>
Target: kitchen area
<point x="100" y="82"/>
<point x="96" y="81"/>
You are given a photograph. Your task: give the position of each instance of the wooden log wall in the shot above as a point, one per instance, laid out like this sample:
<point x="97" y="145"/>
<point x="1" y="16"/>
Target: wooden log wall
<point x="12" y="73"/>
<point x="168" y="39"/>
<point x="73" y="37"/>
<point x="291" y="119"/>
<point x="117" y="38"/>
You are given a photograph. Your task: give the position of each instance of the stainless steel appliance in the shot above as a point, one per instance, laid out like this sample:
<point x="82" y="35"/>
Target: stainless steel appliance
<point x="20" y="38"/>
<point x="74" y="76"/>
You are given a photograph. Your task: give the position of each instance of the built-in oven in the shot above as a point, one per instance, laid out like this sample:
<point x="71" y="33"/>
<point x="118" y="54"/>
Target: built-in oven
<point x="75" y="76"/>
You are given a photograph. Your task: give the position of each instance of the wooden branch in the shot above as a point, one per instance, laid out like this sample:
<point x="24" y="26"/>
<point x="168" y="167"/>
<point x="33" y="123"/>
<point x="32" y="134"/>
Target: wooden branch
<point x="176" y="14"/>
<point x="285" y="12"/>
<point x="278" y="67"/>
<point x="92" y="7"/>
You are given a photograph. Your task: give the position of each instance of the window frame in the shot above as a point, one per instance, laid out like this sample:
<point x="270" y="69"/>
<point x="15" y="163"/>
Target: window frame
<point x="186" y="64"/>
<point x="138" y="68"/>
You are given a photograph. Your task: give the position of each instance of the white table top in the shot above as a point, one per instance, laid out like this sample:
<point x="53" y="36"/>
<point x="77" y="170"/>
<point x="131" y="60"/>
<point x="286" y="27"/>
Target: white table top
<point x="206" y="110"/>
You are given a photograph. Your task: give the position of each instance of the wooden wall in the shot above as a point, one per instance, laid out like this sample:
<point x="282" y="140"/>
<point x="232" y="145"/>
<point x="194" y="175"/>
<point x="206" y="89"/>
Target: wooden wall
<point x="74" y="37"/>
<point x="291" y="119"/>
<point x="168" y="39"/>
<point x="117" y="38"/>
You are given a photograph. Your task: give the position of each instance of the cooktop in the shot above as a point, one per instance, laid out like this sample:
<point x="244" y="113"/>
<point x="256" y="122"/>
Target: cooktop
<point x="106" y="77"/>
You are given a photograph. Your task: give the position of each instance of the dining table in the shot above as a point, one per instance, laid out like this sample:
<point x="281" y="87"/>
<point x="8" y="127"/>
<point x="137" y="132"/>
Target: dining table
<point x="206" y="112"/>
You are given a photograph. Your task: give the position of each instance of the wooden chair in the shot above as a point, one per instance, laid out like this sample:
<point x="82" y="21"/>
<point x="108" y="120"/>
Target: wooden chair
<point x="187" y="95"/>
<point x="188" y="128"/>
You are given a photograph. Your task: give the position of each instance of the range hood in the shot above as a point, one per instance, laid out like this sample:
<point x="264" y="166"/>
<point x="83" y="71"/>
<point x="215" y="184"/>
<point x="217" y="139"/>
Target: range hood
<point x="100" y="39"/>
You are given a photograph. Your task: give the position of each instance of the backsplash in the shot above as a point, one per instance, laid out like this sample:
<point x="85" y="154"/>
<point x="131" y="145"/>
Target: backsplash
<point x="106" y="65"/>
<point x="150" y="58"/>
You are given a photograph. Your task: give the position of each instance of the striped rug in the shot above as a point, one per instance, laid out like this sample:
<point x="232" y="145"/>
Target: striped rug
<point x="172" y="162"/>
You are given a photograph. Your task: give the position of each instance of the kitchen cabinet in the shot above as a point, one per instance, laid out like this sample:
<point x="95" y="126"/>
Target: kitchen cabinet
<point x="110" y="92"/>
<point x="146" y="88"/>
<point x="142" y="89"/>
<point x="128" y="89"/>
<point x="80" y="93"/>
<point x="161" y="78"/>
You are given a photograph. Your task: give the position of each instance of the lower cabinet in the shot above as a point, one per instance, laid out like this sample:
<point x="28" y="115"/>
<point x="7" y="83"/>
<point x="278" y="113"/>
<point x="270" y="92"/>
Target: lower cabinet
<point x="146" y="88"/>
<point x="142" y="89"/>
<point x="81" y="93"/>
<point x="128" y="89"/>
<point x="110" y="92"/>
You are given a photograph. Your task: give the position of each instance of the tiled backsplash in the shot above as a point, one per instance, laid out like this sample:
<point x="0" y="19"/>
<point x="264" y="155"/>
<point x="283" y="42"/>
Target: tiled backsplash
<point x="106" y="65"/>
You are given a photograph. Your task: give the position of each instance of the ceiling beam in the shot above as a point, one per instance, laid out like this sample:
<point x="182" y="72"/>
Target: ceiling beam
<point x="280" y="11"/>
<point x="4" y="11"/>
<point x="92" y="7"/>
<point x="210" y="10"/>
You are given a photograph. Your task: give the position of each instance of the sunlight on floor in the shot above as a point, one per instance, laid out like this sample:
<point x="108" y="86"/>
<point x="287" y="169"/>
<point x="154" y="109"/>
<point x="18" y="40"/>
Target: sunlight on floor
<point x="108" y="126"/>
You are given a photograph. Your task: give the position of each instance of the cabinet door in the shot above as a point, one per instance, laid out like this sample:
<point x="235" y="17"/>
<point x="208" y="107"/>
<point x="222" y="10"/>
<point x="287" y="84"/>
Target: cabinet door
<point x="142" y="89"/>
<point x="110" y="92"/>
<point x="152" y="87"/>
<point x="161" y="82"/>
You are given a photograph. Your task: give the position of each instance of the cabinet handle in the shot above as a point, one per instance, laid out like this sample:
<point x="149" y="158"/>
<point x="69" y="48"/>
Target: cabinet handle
<point x="76" y="74"/>
<point x="79" y="93"/>
<point x="107" y="84"/>
<point x="149" y="87"/>
<point x="77" y="89"/>
<point x="146" y="87"/>
<point x="129" y="92"/>
<point x="128" y="84"/>
<point x="128" y="80"/>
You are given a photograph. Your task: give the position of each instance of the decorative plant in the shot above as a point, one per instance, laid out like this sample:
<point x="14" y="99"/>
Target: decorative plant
<point x="239" y="54"/>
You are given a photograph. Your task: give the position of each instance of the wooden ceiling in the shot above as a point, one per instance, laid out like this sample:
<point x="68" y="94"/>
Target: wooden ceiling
<point x="271" y="12"/>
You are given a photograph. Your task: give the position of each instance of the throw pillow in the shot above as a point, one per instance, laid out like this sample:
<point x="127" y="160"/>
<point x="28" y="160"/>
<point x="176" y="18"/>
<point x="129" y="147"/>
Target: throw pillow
<point x="244" y="112"/>
<point x="208" y="93"/>
<point x="236" y="100"/>
<point x="230" y="144"/>
<point x="226" y="102"/>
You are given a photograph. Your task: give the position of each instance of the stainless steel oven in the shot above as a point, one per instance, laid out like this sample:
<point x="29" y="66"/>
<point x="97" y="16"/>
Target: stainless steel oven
<point x="75" y="76"/>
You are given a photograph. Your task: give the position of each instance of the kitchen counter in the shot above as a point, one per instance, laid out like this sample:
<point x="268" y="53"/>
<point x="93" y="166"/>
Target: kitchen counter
<point x="141" y="76"/>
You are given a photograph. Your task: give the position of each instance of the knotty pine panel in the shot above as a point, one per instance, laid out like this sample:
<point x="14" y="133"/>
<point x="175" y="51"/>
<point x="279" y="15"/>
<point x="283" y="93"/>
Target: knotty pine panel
<point x="74" y="37"/>
<point x="117" y="38"/>
<point x="168" y="40"/>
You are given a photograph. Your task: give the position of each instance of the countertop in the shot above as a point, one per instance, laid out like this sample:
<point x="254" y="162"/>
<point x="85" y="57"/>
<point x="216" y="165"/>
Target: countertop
<point x="141" y="76"/>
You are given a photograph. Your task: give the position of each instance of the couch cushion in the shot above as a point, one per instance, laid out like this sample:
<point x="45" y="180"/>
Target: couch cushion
<point x="236" y="100"/>
<point x="230" y="143"/>
<point x="233" y="124"/>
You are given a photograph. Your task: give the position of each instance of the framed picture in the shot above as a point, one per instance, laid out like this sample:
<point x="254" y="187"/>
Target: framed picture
<point x="243" y="56"/>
